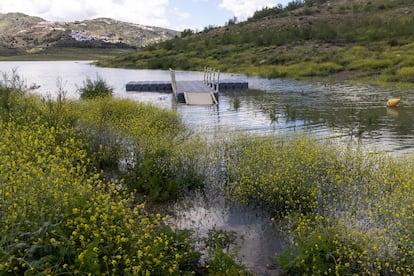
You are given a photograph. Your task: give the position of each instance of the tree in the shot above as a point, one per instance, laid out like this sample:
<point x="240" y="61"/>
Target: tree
<point x="187" y="32"/>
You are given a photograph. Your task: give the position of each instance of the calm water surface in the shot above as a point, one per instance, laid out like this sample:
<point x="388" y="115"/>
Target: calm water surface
<point x="346" y="113"/>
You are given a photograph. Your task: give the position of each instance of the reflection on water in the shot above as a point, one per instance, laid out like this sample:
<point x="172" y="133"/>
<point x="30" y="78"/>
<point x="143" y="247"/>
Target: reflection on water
<point x="393" y="112"/>
<point x="347" y="113"/>
<point x="257" y="241"/>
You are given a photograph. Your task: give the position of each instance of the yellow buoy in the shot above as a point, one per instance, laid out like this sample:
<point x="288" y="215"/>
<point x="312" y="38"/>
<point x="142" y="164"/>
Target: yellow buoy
<point x="393" y="102"/>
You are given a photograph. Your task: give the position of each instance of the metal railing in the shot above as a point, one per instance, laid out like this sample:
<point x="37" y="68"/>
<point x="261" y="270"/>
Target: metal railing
<point x="212" y="78"/>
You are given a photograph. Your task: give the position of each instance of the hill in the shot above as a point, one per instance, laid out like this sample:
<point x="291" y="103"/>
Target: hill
<point x="21" y="34"/>
<point x="346" y="39"/>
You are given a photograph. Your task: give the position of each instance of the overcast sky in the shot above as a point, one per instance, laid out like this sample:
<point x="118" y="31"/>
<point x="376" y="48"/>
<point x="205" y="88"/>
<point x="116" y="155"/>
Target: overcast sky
<point x="172" y="14"/>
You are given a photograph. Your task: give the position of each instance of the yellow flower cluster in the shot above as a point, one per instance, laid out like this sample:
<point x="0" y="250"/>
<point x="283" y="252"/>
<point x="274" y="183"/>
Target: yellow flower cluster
<point x="349" y="211"/>
<point x="151" y="142"/>
<point x="57" y="216"/>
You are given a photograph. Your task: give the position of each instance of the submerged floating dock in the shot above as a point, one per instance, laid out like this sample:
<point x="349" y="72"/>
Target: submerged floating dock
<point x="149" y="86"/>
<point x="204" y="92"/>
<point x="165" y="86"/>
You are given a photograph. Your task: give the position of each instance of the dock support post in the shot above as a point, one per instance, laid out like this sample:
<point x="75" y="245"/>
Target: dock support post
<point x="173" y="83"/>
<point x="214" y="79"/>
<point x="217" y="84"/>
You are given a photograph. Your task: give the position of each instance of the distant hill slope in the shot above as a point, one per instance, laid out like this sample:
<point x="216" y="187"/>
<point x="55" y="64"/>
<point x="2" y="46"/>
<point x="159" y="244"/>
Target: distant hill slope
<point x="23" y="33"/>
<point x="359" y="39"/>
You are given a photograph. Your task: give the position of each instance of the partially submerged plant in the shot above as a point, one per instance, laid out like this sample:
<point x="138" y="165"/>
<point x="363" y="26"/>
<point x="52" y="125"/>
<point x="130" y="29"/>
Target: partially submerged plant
<point x="95" y="88"/>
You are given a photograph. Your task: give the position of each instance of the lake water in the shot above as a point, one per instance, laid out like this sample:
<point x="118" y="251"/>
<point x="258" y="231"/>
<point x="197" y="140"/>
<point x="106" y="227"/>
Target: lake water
<point x="346" y="113"/>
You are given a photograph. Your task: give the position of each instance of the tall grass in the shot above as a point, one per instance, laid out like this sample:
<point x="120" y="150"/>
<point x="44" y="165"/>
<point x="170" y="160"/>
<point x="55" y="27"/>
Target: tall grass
<point x="58" y="218"/>
<point x="148" y="147"/>
<point x="61" y="213"/>
<point x="349" y="211"/>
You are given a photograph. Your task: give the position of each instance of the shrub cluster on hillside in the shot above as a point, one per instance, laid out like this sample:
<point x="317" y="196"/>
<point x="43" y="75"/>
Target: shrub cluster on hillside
<point x="304" y="39"/>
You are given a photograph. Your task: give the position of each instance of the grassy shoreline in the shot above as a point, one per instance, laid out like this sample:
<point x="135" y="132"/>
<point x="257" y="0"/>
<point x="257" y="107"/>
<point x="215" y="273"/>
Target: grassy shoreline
<point x="383" y="65"/>
<point x="67" y="54"/>
<point x="353" y="63"/>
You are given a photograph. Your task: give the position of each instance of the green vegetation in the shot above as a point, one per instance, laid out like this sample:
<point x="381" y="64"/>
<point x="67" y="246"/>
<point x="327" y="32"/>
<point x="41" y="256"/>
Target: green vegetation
<point x="95" y="88"/>
<point x="76" y="177"/>
<point x="65" y="208"/>
<point x="370" y="41"/>
<point x="349" y="212"/>
<point x="63" y="54"/>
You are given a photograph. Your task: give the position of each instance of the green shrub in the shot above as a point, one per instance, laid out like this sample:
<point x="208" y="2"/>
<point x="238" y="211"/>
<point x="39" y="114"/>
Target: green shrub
<point x="279" y="176"/>
<point x="405" y="74"/>
<point x="57" y="111"/>
<point x="369" y="64"/>
<point x="97" y="122"/>
<point x="222" y="263"/>
<point x="324" y="251"/>
<point x="6" y="95"/>
<point x="154" y="177"/>
<point x="349" y="211"/>
<point x="95" y="88"/>
<point x="276" y="73"/>
<point x="222" y="253"/>
<point x="310" y="68"/>
<point x="145" y="145"/>
<point x="12" y="88"/>
<point x="168" y="172"/>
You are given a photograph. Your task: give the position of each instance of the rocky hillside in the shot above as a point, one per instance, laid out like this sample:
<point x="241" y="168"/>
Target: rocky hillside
<point x="27" y="34"/>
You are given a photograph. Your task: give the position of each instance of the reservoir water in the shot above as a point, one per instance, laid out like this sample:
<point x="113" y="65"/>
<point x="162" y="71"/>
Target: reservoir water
<point x="347" y="113"/>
